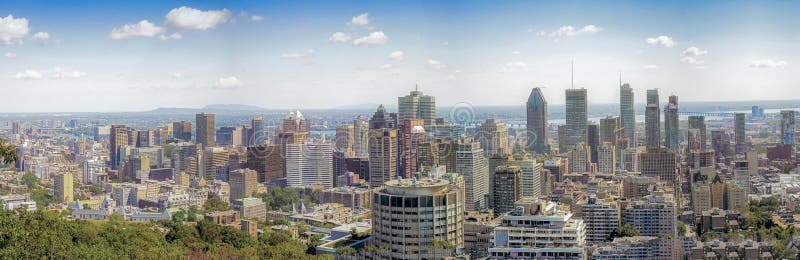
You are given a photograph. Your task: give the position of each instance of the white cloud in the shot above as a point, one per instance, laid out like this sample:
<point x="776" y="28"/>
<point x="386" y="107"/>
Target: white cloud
<point x="650" y="67"/>
<point x="693" y="51"/>
<point x="256" y="18"/>
<point x="691" y="60"/>
<point x="662" y="40"/>
<point x="143" y="28"/>
<point x="515" y="65"/>
<point x="339" y="37"/>
<point x="375" y="38"/>
<point x="55" y="73"/>
<point x="436" y="64"/>
<point x="178" y="75"/>
<point x="515" y="53"/>
<point x="361" y="20"/>
<point x="569" y="31"/>
<point x="386" y="66"/>
<point x="194" y="19"/>
<point x="10" y="55"/>
<point x="13" y="29"/>
<point x="295" y="55"/>
<point x="41" y="36"/>
<point x="228" y="83"/>
<point x="767" y="63"/>
<point x="397" y="55"/>
<point x="173" y="36"/>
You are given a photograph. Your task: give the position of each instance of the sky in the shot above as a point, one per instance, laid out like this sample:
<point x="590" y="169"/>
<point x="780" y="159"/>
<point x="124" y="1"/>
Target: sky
<point x="106" y="56"/>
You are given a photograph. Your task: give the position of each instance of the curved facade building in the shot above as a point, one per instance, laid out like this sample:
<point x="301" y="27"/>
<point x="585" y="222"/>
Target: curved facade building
<point x="408" y="215"/>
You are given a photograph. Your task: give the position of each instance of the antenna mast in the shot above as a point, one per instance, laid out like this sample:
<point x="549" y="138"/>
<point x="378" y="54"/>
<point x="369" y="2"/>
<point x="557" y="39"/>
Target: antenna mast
<point x="572" y="73"/>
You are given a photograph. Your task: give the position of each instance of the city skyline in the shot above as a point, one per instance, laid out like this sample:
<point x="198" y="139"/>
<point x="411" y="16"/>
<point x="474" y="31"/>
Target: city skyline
<point x="141" y="56"/>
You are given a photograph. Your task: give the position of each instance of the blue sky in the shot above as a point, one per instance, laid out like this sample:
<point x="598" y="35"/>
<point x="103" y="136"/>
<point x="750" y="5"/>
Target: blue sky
<point x="322" y="54"/>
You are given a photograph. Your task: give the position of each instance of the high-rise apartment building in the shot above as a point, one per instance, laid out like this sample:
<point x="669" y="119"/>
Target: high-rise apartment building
<point x="533" y="179"/>
<point x="417" y="105"/>
<point x="243" y="183"/>
<point x="361" y="137"/>
<point x="309" y="164"/>
<point x="576" y="118"/>
<point x="182" y="130"/>
<point x="698" y="141"/>
<point x="602" y="218"/>
<point x="671" y="125"/>
<point x="593" y="140"/>
<point x="118" y="137"/>
<point x="608" y="129"/>
<point x="579" y="158"/>
<point x="652" y="119"/>
<point x="536" y="127"/>
<point x="382" y="155"/>
<point x="434" y="210"/>
<point x="493" y="137"/>
<point x="654" y="216"/>
<point x="626" y="113"/>
<point x="345" y="139"/>
<point x="205" y="129"/>
<point x="62" y="188"/>
<point x="474" y="167"/>
<point x="658" y="162"/>
<point x="606" y="158"/>
<point x="507" y="188"/>
<point x="739" y="122"/>
<point x="787" y="127"/>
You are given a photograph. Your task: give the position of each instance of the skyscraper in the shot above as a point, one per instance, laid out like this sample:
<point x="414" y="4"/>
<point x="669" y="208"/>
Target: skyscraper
<point x="345" y="139"/>
<point x="309" y="164"/>
<point x="608" y="129"/>
<point x="471" y="164"/>
<point x="295" y="122"/>
<point x="118" y="137"/>
<point x="243" y="183"/>
<point x="493" y="137"/>
<point x="413" y="135"/>
<point x="671" y="127"/>
<point x="739" y="121"/>
<point x="605" y="158"/>
<point x="537" y="122"/>
<point x="382" y="155"/>
<point x="62" y="187"/>
<point x="533" y="178"/>
<point x="579" y="158"/>
<point x="658" y="162"/>
<point x="417" y="105"/>
<point x="257" y="134"/>
<point x="652" y="120"/>
<point x="627" y="113"/>
<point x="787" y="127"/>
<point x="698" y="123"/>
<point x="576" y="118"/>
<point x="507" y="188"/>
<point x="182" y="130"/>
<point x="593" y="139"/>
<point x="361" y="137"/>
<point x="205" y="131"/>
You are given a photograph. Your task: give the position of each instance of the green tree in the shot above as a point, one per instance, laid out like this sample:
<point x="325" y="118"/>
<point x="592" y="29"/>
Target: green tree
<point x="30" y="180"/>
<point x="214" y="203"/>
<point x="628" y="230"/>
<point x="8" y="152"/>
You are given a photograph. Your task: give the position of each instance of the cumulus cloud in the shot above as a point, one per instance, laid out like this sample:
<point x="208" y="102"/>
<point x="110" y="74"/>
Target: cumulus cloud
<point x="296" y="55"/>
<point x="173" y="36"/>
<point x="339" y="37"/>
<point x="436" y="64"/>
<point x="256" y="18"/>
<point x="374" y="38"/>
<point x="361" y="20"/>
<point x="12" y="30"/>
<point x="767" y="63"/>
<point x="55" y="73"/>
<point x="228" y="83"/>
<point x="143" y="28"/>
<point x="569" y="31"/>
<point x="193" y="19"/>
<point x="397" y="55"/>
<point x="10" y="55"/>
<point x="693" y="51"/>
<point x="41" y="36"/>
<point x="662" y="40"/>
<point x="650" y="67"/>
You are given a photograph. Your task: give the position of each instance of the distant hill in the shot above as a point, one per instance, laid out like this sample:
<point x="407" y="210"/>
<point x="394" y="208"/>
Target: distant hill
<point x="233" y="107"/>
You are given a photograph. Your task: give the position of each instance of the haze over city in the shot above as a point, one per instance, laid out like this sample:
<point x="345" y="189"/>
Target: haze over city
<point x="103" y="56"/>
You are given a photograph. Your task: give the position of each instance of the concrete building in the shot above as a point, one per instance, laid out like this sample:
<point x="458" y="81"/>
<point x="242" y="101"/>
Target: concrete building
<point x="533" y="179"/>
<point x="250" y="208"/>
<point x="473" y="166"/>
<point x="243" y="183"/>
<point x="507" y="188"/>
<point x="417" y="105"/>
<point x="382" y="155"/>
<point x="493" y="137"/>
<point x="309" y="164"/>
<point x="787" y="127"/>
<point x="205" y="129"/>
<point x="579" y="158"/>
<point x="62" y="188"/>
<point x="602" y="217"/>
<point x="658" y="162"/>
<point x="606" y="158"/>
<point x="655" y="216"/>
<point x="739" y="134"/>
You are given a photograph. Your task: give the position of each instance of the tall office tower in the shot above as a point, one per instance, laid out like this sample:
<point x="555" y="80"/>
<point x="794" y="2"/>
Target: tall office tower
<point x="721" y="143"/>
<point x="382" y="155"/>
<point x="118" y="137"/>
<point x="627" y="114"/>
<point x="413" y="135"/>
<point x="243" y="182"/>
<point x="257" y="135"/>
<point x="579" y="158"/>
<point x="62" y="188"/>
<point x="145" y="138"/>
<point x="182" y="130"/>
<point x="309" y="164"/>
<point x="16" y="128"/>
<point x="493" y="136"/>
<point x="698" y="123"/>
<point x="295" y="122"/>
<point x="739" y="121"/>
<point x="213" y="157"/>
<point x="593" y="140"/>
<point x="474" y="167"/>
<point x="507" y="188"/>
<point x="608" y="129"/>
<point x="537" y="122"/>
<point x="602" y="218"/>
<point x="345" y="139"/>
<point x="436" y="205"/>
<point x="577" y="118"/>
<point x="539" y="229"/>
<point x="658" y="162"/>
<point x="445" y="150"/>
<point x="652" y="126"/>
<point x="381" y="119"/>
<point x="671" y="125"/>
<point x="361" y="137"/>
<point x="417" y="105"/>
<point x="532" y="177"/>
<point x="205" y="129"/>
<point x="787" y="127"/>
<point x="605" y="158"/>
<point x="229" y="135"/>
<point x="655" y="216"/>
<point x="133" y="136"/>
<point x="562" y="139"/>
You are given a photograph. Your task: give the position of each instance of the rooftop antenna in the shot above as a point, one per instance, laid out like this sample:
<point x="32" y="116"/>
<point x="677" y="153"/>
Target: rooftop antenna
<point x="620" y="78"/>
<point x="416" y="87"/>
<point x="572" y="73"/>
